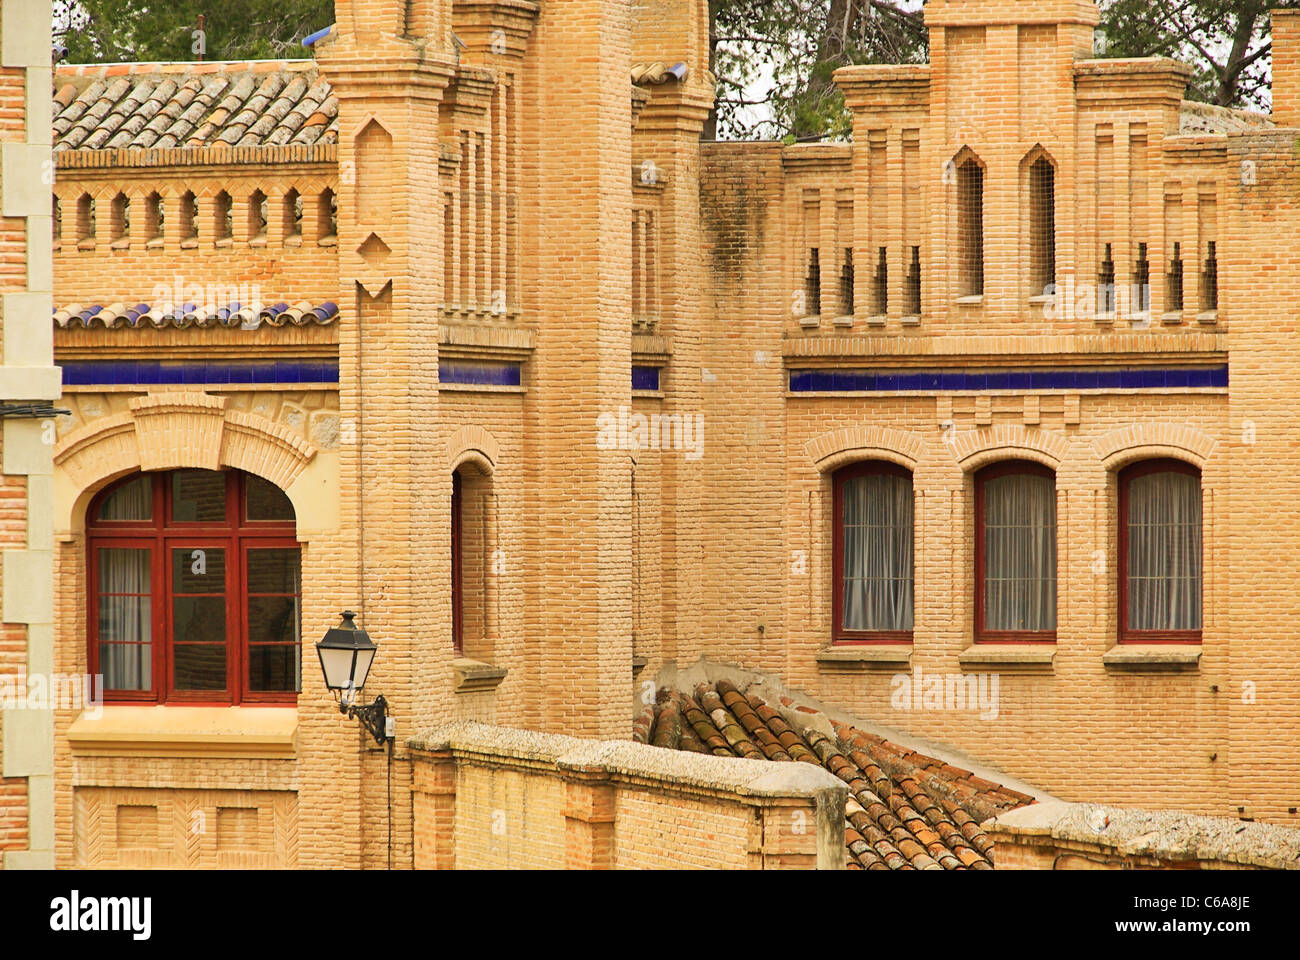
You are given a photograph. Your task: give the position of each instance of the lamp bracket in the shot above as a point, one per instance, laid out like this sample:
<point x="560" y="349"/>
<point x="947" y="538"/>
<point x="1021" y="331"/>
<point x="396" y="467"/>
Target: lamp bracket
<point x="372" y="716"/>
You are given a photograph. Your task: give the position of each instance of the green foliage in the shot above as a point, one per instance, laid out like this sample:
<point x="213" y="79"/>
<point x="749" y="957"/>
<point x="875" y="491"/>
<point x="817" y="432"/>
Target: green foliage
<point x="773" y="59"/>
<point x="123" y="30"/>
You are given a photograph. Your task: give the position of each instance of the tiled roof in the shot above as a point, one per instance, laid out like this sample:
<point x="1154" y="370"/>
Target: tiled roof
<point x="114" y="315"/>
<point x="160" y="105"/>
<point x="905" y="810"/>
<point x="658" y="72"/>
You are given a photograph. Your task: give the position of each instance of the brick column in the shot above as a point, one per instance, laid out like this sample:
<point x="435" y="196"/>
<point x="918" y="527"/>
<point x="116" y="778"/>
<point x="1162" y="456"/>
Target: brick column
<point x="434" y="810"/>
<point x="588" y="822"/>
<point x="576" y="212"/>
<point x="392" y="557"/>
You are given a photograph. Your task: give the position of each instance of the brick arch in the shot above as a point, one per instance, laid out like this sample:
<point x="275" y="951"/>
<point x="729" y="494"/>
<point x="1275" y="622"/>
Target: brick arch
<point x="164" y="431"/>
<point x="973" y="449"/>
<point x="1144" y="441"/>
<point x="473" y="444"/>
<point x="832" y="450"/>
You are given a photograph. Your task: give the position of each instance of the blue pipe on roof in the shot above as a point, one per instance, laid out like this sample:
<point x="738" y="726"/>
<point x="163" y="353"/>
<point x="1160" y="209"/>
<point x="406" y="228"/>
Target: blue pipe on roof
<point x="311" y="38"/>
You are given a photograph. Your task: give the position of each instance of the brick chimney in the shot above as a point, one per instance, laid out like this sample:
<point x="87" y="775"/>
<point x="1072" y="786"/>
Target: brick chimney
<point x="1286" y="67"/>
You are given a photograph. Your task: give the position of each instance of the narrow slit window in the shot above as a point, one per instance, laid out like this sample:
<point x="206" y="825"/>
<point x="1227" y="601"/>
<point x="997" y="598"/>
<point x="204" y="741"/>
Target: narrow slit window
<point x="813" y="283"/>
<point x="1142" y="281"/>
<point x="1106" y="283"/>
<point x="1174" y="285"/>
<point x="970" y="228"/>
<point x="1210" y="278"/>
<point x="914" y="284"/>
<point x="1042" y="227"/>
<point x="880" y="286"/>
<point x="846" y="281"/>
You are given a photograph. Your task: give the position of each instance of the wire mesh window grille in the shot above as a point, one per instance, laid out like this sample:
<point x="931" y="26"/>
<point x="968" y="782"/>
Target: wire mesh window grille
<point x="1042" y="227"/>
<point x="1210" y="278"/>
<point x="970" y="228"/>
<point x="1106" y="283"/>
<point x="880" y="285"/>
<point x="812" y="283"/>
<point x="914" y="284"/>
<point x="846" y="282"/>
<point x="1174" y="278"/>
<point x="1142" y="281"/>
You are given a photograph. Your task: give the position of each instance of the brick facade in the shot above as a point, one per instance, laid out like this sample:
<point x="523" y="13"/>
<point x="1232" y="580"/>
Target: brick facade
<point x="507" y="227"/>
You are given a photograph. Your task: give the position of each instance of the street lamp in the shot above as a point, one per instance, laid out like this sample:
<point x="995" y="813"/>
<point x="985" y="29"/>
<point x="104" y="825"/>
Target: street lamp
<point x="346" y="652"/>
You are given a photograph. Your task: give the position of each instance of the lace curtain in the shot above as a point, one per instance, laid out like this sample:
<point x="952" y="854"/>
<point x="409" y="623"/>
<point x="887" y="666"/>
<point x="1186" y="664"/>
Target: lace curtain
<point x="1164" y="552"/>
<point x="877" y="562"/>
<point x="1020" y="553"/>
<point x="125" y="627"/>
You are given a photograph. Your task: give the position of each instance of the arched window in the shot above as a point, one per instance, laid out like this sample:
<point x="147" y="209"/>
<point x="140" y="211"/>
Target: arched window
<point x="873" y="546"/>
<point x="1015" y="552"/>
<point x="1160" y="552"/>
<point x="195" y="589"/>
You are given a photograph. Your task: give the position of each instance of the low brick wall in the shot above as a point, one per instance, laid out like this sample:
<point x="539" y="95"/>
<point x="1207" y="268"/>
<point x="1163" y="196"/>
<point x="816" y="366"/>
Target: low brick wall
<point x="1056" y="835"/>
<point x="489" y="797"/>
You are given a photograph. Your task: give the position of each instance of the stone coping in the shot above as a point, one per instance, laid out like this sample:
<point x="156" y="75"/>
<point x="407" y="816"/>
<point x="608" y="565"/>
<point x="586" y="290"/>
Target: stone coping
<point x="1165" y="835"/>
<point x="623" y="759"/>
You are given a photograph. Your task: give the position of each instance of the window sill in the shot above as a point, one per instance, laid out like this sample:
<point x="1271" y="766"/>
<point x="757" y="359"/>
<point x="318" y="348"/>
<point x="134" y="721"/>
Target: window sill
<point x="865" y="654"/>
<point x="1006" y="654"/>
<point x="877" y="320"/>
<point x="1171" y="318"/>
<point x="1209" y="317"/>
<point x="971" y="301"/>
<point x="1153" y="656"/>
<point x="176" y="731"/>
<point x="843" y="321"/>
<point x="1041" y="299"/>
<point x="911" y="321"/>
<point x="474" y="676"/>
<point x="809" y="323"/>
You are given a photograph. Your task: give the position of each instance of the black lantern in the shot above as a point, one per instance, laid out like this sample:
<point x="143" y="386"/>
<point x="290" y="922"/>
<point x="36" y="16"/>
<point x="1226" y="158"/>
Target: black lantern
<point x="346" y="653"/>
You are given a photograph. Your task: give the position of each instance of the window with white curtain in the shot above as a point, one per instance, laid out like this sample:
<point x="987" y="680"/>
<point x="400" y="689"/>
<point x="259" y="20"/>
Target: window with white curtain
<point x="195" y="583"/>
<point x="873" y="553"/>
<point x="1160" y="551"/>
<point x="1015" y="555"/>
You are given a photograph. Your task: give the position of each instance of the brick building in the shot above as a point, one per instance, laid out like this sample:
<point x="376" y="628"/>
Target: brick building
<point x="459" y="325"/>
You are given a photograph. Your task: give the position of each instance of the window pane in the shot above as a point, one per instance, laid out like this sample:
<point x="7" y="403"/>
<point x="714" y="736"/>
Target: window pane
<point x="199" y="570"/>
<point x="1164" y="552"/>
<point x="1020" y="553"/>
<point x="199" y="622"/>
<point x="273" y="620"/>
<point x="274" y="571"/>
<point x="265" y="501"/>
<point x="131" y="501"/>
<point x="273" y="669"/>
<point x="125" y="621"/>
<point x="877" y="559"/>
<point x="199" y="666"/>
<point x="198" y="496"/>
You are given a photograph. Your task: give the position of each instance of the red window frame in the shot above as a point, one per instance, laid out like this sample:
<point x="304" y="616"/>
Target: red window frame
<point x="160" y="535"/>
<point x="842" y="636"/>
<point x="1127" y="476"/>
<point x="993" y="472"/>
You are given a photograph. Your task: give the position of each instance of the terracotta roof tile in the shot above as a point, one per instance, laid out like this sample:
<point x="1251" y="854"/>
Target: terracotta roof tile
<point x="904" y="811"/>
<point x="144" y="105"/>
<point x="249" y="316"/>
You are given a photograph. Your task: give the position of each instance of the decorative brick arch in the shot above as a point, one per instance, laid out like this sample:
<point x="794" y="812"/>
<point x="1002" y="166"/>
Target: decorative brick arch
<point x="832" y="450"/>
<point x="973" y="449"/>
<point x="164" y="431"/>
<point x="1145" y="441"/>
<point x="475" y="445"/>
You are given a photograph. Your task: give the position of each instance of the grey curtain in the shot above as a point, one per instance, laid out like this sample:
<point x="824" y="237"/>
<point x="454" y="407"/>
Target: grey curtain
<point x="131" y="501"/>
<point x="1164" y="552"/>
<point x="125" y="623"/>
<point x="1020" y="553"/>
<point x="877" y="561"/>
